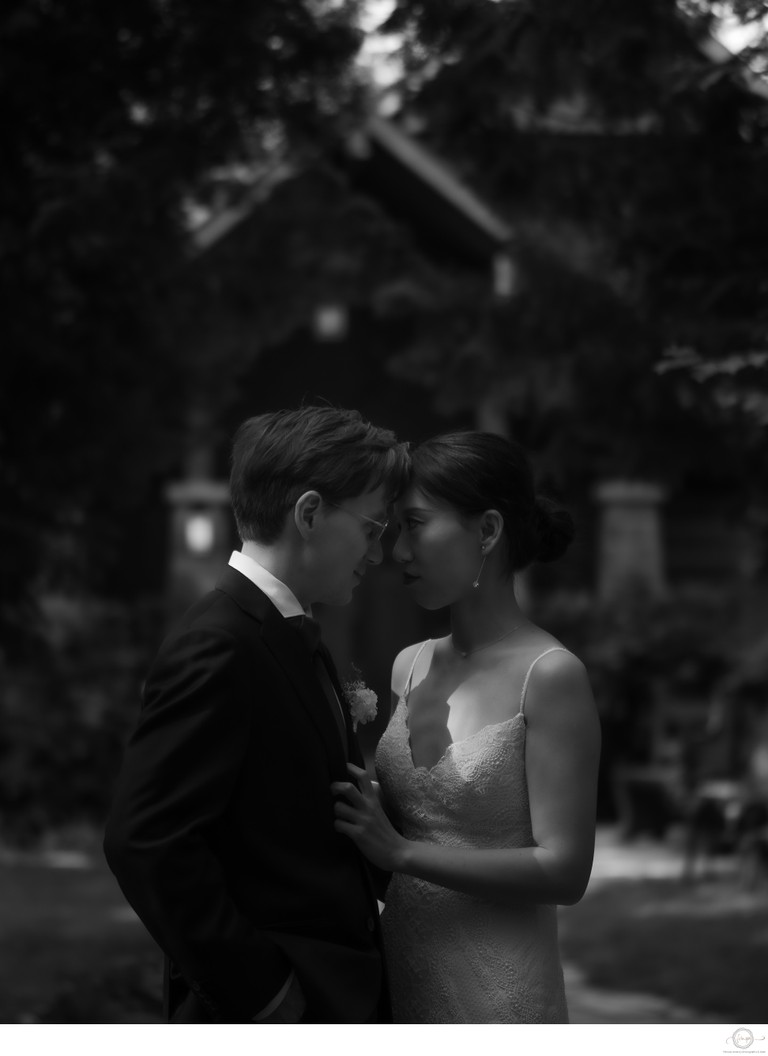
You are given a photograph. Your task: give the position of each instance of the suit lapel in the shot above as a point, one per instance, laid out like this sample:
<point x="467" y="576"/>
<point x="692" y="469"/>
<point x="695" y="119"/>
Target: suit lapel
<point x="295" y="661"/>
<point x="356" y="757"/>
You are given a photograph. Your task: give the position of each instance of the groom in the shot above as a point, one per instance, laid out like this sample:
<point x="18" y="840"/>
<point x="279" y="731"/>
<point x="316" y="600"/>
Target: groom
<point x="222" y="833"/>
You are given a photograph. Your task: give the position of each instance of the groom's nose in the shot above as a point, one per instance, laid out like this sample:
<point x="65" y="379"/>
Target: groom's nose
<point x="400" y="551"/>
<point x="375" y="553"/>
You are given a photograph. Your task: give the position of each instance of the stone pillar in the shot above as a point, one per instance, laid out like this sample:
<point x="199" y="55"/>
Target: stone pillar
<point x="630" y="557"/>
<point x="201" y="540"/>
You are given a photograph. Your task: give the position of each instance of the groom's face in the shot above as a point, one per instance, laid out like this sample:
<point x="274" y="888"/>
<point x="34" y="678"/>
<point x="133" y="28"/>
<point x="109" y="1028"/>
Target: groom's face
<point x="346" y="545"/>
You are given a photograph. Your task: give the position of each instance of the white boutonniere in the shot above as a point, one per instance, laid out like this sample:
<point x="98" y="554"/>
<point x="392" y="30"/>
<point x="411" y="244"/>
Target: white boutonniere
<point x="360" y="699"/>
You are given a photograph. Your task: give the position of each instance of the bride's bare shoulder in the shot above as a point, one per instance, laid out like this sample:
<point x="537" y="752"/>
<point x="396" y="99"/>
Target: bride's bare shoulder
<point x="402" y="666"/>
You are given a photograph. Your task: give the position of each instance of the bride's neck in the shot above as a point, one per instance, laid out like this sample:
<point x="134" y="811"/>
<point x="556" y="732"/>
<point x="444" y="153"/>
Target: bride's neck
<point x="488" y="613"/>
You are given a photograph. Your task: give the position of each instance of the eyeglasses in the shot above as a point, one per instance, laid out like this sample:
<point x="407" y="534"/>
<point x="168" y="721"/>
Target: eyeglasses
<point x="379" y="527"/>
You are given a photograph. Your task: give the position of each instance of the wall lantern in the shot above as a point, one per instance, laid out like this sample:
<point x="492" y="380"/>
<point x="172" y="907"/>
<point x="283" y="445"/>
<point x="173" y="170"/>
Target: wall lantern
<point x="199" y="533"/>
<point x="330" y="322"/>
<point x="201" y="539"/>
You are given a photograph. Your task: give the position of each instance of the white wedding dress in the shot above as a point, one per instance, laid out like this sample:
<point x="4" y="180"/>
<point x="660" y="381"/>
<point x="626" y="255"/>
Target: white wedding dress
<point x="452" y="957"/>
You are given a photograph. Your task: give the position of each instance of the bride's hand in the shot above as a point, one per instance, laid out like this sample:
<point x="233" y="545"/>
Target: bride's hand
<point x="360" y="816"/>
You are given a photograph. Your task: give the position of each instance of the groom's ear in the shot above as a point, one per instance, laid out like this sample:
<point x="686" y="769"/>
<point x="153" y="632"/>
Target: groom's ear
<point x="306" y="512"/>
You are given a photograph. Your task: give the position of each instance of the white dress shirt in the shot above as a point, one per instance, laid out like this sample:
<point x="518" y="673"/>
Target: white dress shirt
<point x="282" y="597"/>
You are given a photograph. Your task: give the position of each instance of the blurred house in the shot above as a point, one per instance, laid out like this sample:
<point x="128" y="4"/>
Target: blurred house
<point x="308" y="292"/>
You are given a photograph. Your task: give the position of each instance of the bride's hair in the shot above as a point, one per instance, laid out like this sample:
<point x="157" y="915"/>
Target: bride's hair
<point x="474" y="472"/>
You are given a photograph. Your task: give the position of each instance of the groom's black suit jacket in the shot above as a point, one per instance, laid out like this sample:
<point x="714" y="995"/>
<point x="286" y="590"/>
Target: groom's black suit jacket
<point x="221" y="832"/>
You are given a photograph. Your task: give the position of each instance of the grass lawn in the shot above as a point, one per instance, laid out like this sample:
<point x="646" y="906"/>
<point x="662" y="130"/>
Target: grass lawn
<point x="70" y="952"/>
<point x="704" y="946"/>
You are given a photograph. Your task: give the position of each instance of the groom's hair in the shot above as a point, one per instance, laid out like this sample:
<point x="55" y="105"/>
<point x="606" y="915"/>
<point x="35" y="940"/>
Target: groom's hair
<point x="276" y="457"/>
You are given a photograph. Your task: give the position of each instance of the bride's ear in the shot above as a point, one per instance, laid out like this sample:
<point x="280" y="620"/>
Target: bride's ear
<point x="491" y="529"/>
<point x="306" y="513"/>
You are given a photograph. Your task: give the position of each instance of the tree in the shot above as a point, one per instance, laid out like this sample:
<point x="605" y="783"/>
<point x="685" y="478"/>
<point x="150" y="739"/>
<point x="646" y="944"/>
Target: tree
<point x="113" y="115"/>
<point x="633" y="170"/>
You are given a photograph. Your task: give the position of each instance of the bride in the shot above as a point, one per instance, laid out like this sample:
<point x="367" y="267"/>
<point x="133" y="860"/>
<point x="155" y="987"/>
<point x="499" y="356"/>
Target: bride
<point x="488" y="767"/>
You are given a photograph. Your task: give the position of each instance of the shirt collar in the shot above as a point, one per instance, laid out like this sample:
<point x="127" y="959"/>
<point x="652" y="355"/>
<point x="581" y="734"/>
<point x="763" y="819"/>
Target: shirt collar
<point x="282" y="597"/>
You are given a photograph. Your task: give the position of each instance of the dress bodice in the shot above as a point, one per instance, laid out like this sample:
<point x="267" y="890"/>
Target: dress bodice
<point x="475" y="795"/>
<point x="452" y="957"/>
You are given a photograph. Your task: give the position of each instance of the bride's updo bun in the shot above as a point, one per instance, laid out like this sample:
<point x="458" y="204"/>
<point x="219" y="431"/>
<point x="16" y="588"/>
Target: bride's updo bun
<point x="475" y="472"/>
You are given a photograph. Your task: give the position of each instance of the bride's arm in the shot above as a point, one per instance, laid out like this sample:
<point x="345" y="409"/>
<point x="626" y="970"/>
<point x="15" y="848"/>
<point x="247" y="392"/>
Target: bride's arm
<point x="562" y="752"/>
<point x="561" y="761"/>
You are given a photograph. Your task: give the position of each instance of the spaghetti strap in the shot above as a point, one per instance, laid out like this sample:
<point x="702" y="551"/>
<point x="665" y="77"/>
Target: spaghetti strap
<point x="407" y="689"/>
<point x="552" y="649"/>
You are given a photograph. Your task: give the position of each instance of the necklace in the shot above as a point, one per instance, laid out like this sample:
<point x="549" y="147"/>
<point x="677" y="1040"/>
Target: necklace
<point x="468" y="652"/>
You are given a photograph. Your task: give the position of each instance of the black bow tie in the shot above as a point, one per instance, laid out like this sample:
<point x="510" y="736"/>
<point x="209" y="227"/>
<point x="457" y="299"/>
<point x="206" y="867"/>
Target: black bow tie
<point x="308" y="628"/>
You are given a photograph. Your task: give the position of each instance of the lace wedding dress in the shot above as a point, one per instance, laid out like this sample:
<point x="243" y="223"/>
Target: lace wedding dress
<point x="453" y="957"/>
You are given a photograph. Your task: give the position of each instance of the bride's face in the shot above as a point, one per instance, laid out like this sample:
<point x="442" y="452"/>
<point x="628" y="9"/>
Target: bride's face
<point x="438" y="548"/>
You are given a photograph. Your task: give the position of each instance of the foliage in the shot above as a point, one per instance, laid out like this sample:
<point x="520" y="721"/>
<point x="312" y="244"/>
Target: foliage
<point x="113" y="113"/>
<point x="64" y="720"/>
<point x="647" y="654"/>
<point x="632" y="170"/>
<point x="736" y="383"/>
<point x="678" y="645"/>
